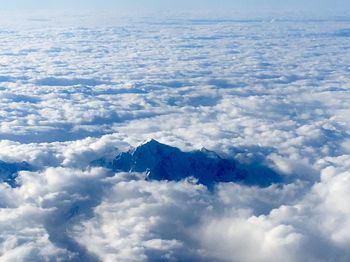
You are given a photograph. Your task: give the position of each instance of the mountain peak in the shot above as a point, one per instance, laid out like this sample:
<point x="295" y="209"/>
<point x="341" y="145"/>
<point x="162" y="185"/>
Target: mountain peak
<point x="164" y="162"/>
<point x="151" y="148"/>
<point x="150" y="142"/>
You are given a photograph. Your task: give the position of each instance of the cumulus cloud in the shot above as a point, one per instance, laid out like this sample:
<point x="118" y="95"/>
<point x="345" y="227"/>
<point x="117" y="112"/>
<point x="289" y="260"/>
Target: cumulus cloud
<point x="198" y="225"/>
<point x="271" y="94"/>
<point x="126" y="218"/>
<point x="36" y="215"/>
<point x="95" y="215"/>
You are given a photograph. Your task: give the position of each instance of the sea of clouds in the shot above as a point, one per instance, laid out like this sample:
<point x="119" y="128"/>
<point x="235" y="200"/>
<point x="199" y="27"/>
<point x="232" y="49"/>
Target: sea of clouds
<point x="269" y="91"/>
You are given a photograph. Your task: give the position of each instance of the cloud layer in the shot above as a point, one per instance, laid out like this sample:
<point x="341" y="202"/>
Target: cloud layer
<point x="65" y="214"/>
<point x="269" y="92"/>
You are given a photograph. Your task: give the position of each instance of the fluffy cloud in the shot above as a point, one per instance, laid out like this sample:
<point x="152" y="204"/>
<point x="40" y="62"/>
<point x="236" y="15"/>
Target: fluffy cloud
<point x="95" y="215"/>
<point x="262" y="92"/>
<point x="187" y="221"/>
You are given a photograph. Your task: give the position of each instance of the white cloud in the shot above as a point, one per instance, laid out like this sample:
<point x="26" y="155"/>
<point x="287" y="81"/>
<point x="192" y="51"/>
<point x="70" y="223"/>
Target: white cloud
<point x="126" y="218"/>
<point x="275" y="93"/>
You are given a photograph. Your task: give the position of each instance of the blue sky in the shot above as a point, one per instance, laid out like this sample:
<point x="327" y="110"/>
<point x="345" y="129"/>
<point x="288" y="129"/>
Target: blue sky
<point x="330" y="6"/>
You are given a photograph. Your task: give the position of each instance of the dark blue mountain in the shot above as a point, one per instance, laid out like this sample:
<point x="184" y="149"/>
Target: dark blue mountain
<point x="163" y="162"/>
<point x="8" y="171"/>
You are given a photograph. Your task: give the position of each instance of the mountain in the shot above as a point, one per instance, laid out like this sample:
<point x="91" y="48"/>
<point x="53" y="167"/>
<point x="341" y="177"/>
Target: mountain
<point x="163" y="162"/>
<point x="8" y="171"/>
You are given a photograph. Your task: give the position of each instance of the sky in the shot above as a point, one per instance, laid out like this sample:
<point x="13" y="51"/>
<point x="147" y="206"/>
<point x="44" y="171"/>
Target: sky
<point x="271" y="94"/>
<point x="329" y="6"/>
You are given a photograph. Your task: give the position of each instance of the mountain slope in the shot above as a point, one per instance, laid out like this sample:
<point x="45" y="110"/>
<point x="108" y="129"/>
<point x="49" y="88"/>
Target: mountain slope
<point x="163" y="162"/>
<point x="8" y="171"/>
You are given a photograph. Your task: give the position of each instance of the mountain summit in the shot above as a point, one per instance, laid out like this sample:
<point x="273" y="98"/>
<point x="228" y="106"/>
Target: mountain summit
<point x="164" y="162"/>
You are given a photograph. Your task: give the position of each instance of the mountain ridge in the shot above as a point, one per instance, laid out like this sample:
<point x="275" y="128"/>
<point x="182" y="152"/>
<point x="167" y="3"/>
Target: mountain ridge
<point x="163" y="162"/>
<point x="9" y="170"/>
